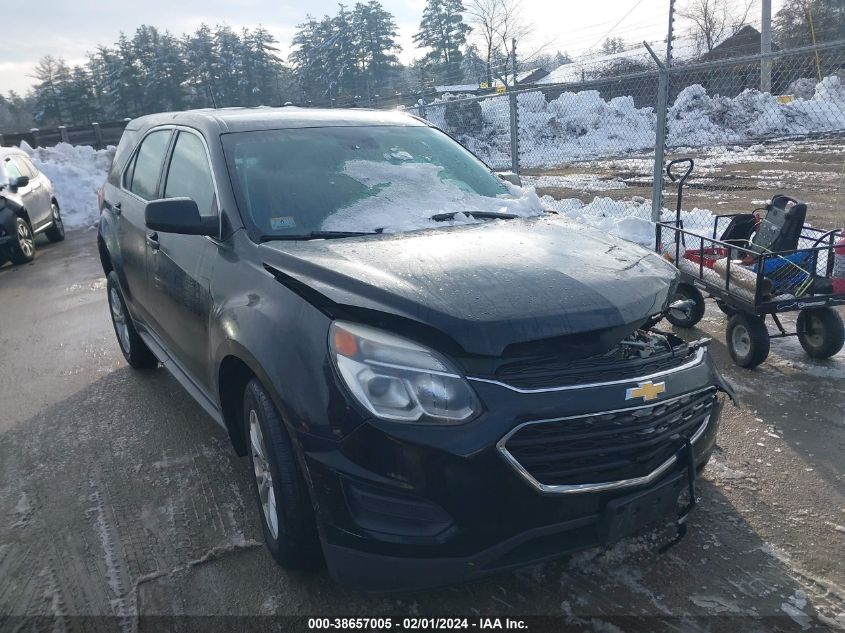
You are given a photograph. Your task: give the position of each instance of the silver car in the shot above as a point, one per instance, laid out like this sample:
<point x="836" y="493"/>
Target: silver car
<point x="28" y="206"/>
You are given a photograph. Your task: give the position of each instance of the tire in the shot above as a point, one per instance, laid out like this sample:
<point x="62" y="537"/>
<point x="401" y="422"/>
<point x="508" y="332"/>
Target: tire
<point x="820" y="332"/>
<point x="55" y="233"/>
<point x="284" y="503"/>
<point x="725" y="308"/>
<point x="747" y="339"/>
<point x="688" y="291"/>
<point x="23" y="250"/>
<point x="133" y="348"/>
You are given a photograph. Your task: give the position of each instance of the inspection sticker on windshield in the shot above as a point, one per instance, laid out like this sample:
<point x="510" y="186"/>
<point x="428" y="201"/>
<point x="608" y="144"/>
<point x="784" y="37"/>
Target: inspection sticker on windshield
<point x="283" y="222"/>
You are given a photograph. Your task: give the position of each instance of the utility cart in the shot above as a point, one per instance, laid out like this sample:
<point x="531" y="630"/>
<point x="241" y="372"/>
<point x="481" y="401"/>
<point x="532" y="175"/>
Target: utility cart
<point x="757" y="266"/>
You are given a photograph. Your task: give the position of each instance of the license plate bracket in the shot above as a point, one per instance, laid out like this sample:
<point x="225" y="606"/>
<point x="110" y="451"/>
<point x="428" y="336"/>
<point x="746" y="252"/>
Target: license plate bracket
<point x="630" y="514"/>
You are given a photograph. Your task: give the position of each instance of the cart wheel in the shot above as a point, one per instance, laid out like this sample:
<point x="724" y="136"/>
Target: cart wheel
<point x="820" y="332"/>
<point x="748" y="339"/>
<point x="687" y="291"/>
<point x="724" y="307"/>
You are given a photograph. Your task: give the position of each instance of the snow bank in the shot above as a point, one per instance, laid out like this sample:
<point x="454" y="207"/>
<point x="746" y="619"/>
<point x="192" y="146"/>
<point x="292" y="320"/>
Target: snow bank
<point x="628" y="219"/>
<point x="697" y="119"/>
<point x="406" y="195"/>
<point x="581" y="125"/>
<point x="76" y="171"/>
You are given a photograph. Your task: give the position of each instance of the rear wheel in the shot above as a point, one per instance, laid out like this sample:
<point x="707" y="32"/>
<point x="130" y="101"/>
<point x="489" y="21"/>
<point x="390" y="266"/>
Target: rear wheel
<point x="748" y="339"/>
<point x="134" y="350"/>
<point x="687" y="292"/>
<point x="56" y="233"/>
<point x="820" y="332"/>
<point x="23" y="250"/>
<point x="287" y="518"/>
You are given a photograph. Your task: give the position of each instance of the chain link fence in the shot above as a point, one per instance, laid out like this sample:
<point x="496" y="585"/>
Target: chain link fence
<point x="587" y="142"/>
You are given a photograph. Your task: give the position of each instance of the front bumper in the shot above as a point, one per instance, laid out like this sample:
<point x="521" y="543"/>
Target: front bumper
<point x="405" y="508"/>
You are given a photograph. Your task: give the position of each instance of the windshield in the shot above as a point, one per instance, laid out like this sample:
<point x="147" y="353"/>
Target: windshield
<point x="362" y="179"/>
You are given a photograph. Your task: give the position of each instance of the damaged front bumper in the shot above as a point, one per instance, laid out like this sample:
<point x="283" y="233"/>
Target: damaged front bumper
<point x="405" y="508"/>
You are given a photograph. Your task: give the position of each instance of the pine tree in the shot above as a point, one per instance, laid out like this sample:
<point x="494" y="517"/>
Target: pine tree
<point x="443" y="30"/>
<point x="52" y="75"/>
<point x="376" y="34"/>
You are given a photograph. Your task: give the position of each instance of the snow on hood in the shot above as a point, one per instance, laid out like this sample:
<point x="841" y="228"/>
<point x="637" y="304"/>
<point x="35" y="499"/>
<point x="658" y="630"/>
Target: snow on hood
<point x="406" y="195"/>
<point x="76" y="171"/>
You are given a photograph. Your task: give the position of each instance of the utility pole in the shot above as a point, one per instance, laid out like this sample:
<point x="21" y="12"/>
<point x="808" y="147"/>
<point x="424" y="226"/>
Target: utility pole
<point x="514" y="110"/>
<point x="766" y="47"/>
<point x="662" y="107"/>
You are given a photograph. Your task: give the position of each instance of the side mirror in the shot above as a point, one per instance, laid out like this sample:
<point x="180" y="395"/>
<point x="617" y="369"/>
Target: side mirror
<point x="510" y="177"/>
<point x="20" y="181"/>
<point x="178" y="215"/>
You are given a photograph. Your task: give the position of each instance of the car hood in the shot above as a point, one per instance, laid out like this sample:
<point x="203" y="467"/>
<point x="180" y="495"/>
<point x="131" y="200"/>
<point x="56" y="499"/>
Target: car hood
<point x="486" y="286"/>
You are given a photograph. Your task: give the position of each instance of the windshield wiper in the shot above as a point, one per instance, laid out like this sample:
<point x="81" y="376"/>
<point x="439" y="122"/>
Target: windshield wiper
<point x="318" y="235"/>
<point x="487" y="215"/>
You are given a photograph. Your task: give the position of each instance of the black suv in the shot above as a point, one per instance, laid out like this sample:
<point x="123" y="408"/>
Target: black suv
<point x="434" y="378"/>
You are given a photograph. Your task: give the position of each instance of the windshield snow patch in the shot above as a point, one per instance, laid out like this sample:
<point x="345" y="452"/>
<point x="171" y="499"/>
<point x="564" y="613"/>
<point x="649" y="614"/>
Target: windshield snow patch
<point x="404" y="196"/>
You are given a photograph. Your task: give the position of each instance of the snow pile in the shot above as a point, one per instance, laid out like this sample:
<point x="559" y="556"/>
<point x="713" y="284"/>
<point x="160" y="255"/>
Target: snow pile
<point x="575" y="126"/>
<point x="404" y="196"/>
<point x="76" y="171"/>
<point x="629" y="219"/>
<point x="698" y="119"/>
<point x="582" y="125"/>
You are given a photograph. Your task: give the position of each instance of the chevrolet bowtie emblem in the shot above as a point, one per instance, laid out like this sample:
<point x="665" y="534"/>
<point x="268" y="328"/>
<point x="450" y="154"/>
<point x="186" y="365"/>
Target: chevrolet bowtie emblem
<point x="646" y="390"/>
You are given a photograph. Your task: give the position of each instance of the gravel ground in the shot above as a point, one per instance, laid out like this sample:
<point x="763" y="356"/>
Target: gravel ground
<point x="120" y="497"/>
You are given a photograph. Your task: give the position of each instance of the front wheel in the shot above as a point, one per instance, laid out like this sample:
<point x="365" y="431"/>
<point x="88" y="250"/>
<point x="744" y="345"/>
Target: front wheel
<point x="23" y="250"/>
<point x="748" y="340"/>
<point x="134" y="350"/>
<point x="687" y="292"/>
<point x="56" y="233"/>
<point x="820" y="332"/>
<point x="287" y="518"/>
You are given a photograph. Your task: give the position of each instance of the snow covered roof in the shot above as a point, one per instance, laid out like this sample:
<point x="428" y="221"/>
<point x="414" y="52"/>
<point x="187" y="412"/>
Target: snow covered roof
<point x="457" y="88"/>
<point x="684" y="49"/>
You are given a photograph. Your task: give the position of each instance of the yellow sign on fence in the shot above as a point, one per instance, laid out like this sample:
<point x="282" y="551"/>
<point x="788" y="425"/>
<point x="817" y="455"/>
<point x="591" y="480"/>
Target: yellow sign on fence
<point x="500" y="89"/>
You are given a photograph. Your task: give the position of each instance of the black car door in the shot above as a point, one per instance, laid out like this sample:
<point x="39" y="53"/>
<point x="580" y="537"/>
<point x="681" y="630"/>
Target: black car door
<point x="140" y="183"/>
<point x="179" y="266"/>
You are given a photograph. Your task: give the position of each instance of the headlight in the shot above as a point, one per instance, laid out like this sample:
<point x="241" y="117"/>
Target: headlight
<point x="396" y="379"/>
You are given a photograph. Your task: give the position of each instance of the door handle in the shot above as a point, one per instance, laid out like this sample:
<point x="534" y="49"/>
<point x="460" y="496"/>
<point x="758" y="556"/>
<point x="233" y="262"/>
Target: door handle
<point x="152" y="240"/>
<point x="115" y="208"/>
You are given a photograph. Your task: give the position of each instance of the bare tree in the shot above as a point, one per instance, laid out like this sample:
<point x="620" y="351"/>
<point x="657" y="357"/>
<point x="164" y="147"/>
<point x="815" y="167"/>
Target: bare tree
<point x="712" y="20"/>
<point x="496" y="23"/>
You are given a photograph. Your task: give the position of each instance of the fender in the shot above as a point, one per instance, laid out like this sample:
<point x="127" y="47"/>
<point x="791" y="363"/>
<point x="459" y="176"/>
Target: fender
<point x="276" y="334"/>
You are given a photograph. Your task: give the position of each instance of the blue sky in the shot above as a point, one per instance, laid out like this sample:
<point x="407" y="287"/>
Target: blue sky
<point x="69" y="29"/>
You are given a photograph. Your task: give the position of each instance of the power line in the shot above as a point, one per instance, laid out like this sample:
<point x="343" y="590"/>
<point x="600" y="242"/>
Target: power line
<point x="610" y="30"/>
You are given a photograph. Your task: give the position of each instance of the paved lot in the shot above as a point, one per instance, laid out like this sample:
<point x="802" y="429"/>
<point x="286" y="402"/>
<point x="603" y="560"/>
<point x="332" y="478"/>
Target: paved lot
<point x="118" y="495"/>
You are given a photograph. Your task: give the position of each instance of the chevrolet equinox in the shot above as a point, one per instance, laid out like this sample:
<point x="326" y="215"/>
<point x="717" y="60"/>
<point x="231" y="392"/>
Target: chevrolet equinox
<point x="433" y="376"/>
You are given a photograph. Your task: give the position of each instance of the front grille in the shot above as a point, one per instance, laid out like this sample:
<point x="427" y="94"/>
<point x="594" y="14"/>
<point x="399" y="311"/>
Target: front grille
<point x="608" y="447"/>
<point x="544" y="375"/>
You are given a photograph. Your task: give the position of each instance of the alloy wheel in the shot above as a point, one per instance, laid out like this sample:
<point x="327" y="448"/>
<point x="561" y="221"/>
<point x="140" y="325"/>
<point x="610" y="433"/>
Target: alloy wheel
<point x="25" y="239"/>
<point x="263" y="476"/>
<point x="119" y="318"/>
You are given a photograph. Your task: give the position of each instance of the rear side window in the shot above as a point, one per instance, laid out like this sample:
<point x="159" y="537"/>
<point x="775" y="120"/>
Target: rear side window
<point x="189" y="174"/>
<point x="25" y="165"/>
<point x="124" y="148"/>
<point x="144" y="170"/>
